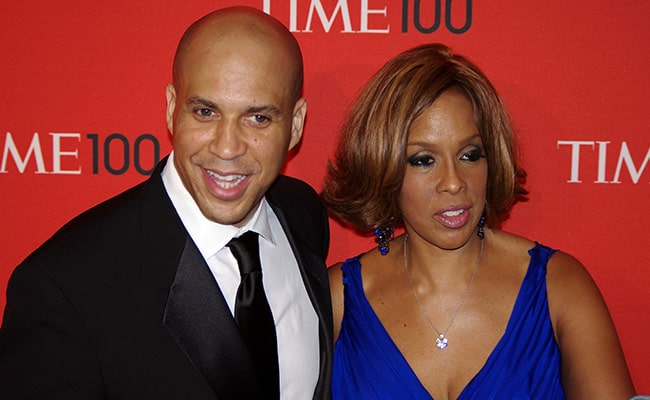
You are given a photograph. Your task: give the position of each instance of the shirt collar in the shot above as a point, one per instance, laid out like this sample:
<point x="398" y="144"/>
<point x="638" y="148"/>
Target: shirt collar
<point x="209" y="236"/>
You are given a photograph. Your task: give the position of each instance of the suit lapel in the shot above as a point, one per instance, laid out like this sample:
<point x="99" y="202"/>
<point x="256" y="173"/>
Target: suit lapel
<point x="196" y="314"/>
<point x="198" y="318"/>
<point x="308" y="244"/>
<point x="205" y="330"/>
<point x="317" y="287"/>
<point x="304" y="240"/>
<point x="308" y="262"/>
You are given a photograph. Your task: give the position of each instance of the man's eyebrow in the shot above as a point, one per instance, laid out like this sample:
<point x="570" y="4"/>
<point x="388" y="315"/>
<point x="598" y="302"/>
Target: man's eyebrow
<point x="268" y="109"/>
<point x="199" y="101"/>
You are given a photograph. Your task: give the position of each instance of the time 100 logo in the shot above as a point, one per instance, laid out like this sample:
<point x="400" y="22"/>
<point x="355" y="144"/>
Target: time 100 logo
<point x="426" y="16"/>
<point x="115" y="153"/>
<point x="116" y="142"/>
<point x="450" y="8"/>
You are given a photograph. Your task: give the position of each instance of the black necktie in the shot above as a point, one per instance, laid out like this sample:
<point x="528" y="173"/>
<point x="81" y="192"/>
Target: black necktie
<point x="253" y="314"/>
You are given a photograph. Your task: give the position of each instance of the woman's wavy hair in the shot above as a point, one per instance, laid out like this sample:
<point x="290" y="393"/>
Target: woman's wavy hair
<point x="362" y="186"/>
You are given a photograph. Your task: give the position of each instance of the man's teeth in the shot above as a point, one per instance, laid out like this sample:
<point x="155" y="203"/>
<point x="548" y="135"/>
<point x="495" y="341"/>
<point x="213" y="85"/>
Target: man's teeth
<point x="226" y="181"/>
<point x="453" y="213"/>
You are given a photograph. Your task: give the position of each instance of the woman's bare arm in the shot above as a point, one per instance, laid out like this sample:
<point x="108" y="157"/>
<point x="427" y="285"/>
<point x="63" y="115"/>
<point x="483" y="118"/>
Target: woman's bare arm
<point x="593" y="365"/>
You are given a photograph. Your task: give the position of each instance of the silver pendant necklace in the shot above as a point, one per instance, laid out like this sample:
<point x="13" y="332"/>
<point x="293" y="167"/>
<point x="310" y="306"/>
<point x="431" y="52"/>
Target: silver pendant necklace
<point x="441" y="341"/>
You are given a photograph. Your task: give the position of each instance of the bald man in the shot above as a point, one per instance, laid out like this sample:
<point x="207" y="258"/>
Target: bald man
<point x="137" y="297"/>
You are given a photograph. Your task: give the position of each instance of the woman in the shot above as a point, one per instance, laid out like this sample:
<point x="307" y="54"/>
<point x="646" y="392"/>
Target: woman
<point x="454" y="307"/>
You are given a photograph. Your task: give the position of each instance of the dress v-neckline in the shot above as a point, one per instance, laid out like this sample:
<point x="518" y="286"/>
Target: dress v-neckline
<point x="495" y="351"/>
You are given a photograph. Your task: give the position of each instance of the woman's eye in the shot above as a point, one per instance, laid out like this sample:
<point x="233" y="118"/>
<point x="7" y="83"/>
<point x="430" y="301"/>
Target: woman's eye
<point x="420" y="160"/>
<point x="472" y="155"/>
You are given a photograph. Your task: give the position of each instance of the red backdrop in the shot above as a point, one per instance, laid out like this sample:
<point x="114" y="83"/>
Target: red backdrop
<point x="82" y="114"/>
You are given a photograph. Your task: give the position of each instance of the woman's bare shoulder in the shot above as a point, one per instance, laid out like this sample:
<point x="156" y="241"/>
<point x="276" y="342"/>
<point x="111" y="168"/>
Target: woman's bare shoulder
<point x="568" y="279"/>
<point x="592" y="359"/>
<point x="511" y="248"/>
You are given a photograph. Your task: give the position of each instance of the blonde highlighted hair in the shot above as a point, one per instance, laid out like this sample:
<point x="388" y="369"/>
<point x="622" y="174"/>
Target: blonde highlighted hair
<point x="363" y="183"/>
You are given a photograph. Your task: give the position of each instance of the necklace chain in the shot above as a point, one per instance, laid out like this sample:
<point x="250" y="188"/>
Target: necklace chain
<point x="441" y="340"/>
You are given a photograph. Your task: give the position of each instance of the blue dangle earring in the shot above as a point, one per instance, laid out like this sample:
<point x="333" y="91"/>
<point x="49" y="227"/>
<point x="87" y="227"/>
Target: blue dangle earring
<point x="481" y="223"/>
<point x="384" y="234"/>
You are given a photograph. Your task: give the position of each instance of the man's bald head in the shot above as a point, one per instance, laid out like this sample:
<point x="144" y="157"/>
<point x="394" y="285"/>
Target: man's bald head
<point x="241" y="26"/>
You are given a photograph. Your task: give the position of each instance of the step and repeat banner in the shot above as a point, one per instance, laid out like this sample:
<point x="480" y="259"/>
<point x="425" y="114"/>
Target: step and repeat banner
<point x="82" y="114"/>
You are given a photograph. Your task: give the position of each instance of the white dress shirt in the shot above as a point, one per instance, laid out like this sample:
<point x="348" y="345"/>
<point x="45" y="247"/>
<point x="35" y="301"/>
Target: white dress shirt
<point x="295" y="319"/>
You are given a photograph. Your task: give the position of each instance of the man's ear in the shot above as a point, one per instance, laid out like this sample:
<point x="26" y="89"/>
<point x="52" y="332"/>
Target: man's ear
<point x="298" y="121"/>
<point x="170" y="93"/>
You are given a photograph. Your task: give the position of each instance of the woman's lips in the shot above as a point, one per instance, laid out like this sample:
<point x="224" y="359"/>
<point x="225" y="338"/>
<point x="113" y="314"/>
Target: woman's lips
<point x="453" y="217"/>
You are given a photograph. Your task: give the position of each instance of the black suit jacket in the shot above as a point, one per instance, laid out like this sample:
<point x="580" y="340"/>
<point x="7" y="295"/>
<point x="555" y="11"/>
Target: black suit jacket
<point x="88" y="313"/>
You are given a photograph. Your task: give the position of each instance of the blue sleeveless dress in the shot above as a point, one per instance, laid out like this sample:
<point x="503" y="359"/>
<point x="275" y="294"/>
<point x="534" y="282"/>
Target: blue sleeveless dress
<point x="525" y="364"/>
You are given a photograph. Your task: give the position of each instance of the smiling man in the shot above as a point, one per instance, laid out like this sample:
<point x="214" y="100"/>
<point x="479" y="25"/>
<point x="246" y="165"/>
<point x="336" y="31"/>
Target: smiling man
<point x="142" y="297"/>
